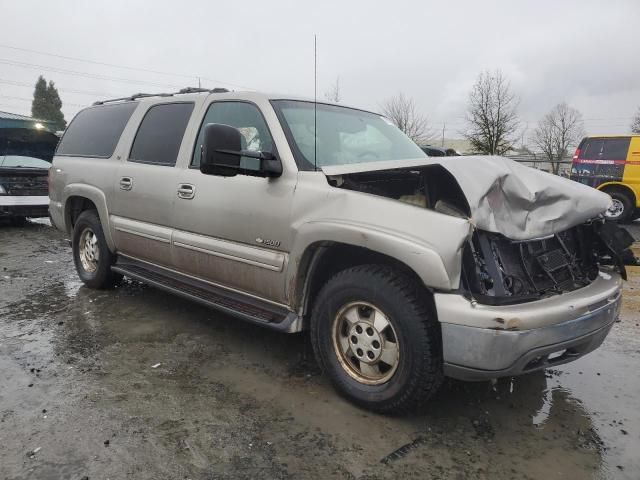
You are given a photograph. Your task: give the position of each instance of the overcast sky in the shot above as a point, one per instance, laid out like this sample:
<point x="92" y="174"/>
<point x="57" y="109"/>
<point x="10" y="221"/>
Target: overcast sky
<point x="582" y="52"/>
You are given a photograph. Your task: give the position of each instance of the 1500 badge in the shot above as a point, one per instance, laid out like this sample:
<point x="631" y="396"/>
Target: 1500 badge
<point x="267" y="242"/>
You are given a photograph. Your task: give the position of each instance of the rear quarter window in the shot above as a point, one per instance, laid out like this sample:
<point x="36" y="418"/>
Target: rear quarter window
<point x="95" y="131"/>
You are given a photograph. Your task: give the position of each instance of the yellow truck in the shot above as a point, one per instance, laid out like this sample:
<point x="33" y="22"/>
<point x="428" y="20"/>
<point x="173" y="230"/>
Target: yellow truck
<point x="611" y="163"/>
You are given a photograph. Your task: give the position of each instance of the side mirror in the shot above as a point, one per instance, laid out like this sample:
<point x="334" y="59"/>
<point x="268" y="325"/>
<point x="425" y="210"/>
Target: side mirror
<point x="222" y="152"/>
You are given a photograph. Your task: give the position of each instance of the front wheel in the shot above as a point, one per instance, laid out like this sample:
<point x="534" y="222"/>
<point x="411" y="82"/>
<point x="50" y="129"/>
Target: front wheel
<point x="91" y="255"/>
<point x="622" y="208"/>
<point x="375" y="335"/>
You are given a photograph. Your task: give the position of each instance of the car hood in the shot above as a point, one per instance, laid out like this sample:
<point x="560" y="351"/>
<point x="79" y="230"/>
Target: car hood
<point x="504" y="196"/>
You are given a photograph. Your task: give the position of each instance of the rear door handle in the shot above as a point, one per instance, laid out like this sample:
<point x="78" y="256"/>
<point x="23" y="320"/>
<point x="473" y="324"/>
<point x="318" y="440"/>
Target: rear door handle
<point x="126" y="183"/>
<point x="186" y="191"/>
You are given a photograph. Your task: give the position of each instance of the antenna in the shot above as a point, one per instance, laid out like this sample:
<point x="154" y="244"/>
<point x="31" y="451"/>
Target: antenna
<point x="315" y="102"/>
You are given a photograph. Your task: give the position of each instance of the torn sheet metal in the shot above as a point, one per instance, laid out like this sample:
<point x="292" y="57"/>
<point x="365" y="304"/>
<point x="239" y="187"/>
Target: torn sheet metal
<point x="507" y="197"/>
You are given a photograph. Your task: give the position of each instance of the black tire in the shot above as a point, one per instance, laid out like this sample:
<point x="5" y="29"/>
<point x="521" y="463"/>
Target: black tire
<point x="636" y="214"/>
<point x="418" y="374"/>
<point x="626" y="203"/>
<point x="102" y="276"/>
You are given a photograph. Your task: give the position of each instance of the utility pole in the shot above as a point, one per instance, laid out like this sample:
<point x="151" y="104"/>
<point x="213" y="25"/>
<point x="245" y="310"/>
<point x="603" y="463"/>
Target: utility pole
<point x="444" y="124"/>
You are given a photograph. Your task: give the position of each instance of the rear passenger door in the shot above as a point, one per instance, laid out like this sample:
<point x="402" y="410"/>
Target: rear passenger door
<point x="145" y="186"/>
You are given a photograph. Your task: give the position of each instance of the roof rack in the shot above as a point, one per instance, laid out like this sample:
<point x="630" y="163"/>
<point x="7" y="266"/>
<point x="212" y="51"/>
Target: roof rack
<point x="179" y="92"/>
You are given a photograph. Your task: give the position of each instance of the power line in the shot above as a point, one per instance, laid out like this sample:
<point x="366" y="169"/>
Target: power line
<point x="124" y="67"/>
<point x="31" y="100"/>
<point x="84" y="74"/>
<point x="82" y="92"/>
<point x="95" y="62"/>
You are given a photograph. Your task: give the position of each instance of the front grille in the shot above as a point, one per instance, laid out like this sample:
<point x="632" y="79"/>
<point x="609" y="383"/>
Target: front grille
<point x="25" y="186"/>
<point x="495" y="266"/>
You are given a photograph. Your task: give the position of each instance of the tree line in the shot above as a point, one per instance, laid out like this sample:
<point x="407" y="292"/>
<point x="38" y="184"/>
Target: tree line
<point x="492" y="123"/>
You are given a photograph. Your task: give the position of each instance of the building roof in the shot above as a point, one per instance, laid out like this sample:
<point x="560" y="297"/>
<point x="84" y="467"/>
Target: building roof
<point x="15" y="116"/>
<point x="14" y="120"/>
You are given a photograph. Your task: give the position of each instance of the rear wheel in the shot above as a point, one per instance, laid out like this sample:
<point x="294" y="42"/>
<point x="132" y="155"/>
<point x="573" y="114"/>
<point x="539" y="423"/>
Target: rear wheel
<point x="622" y="207"/>
<point x="91" y="255"/>
<point x="375" y="335"/>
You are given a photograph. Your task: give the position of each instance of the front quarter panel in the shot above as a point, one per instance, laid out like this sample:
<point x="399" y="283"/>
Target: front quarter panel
<point x="428" y="242"/>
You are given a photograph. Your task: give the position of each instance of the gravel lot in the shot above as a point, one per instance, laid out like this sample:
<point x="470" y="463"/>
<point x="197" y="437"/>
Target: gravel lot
<point x="135" y="383"/>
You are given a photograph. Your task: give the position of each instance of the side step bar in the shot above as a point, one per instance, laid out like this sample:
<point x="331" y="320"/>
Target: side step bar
<point x="247" y="308"/>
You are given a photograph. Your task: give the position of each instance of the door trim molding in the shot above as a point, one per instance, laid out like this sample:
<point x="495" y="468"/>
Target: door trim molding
<point x="240" y="252"/>
<point x="214" y="284"/>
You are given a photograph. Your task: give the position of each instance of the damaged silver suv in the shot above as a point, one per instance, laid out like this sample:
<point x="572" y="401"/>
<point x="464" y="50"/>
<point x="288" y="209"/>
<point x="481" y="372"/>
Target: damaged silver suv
<point x="302" y="216"/>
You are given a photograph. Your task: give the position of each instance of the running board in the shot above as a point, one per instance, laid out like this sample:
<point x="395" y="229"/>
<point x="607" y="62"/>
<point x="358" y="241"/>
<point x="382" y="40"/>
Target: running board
<point x="242" y="306"/>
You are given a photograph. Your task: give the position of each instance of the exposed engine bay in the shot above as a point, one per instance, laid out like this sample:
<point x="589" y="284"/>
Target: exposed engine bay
<point x="496" y="269"/>
<point x="430" y="187"/>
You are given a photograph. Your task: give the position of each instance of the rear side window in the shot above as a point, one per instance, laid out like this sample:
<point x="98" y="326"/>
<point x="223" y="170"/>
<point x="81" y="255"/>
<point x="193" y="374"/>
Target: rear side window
<point x="615" y="148"/>
<point x="95" y="131"/>
<point x="160" y="134"/>
<point x="605" y="148"/>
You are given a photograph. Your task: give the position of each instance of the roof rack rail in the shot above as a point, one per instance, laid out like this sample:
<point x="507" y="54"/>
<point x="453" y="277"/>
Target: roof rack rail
<point x="179" y="92"/>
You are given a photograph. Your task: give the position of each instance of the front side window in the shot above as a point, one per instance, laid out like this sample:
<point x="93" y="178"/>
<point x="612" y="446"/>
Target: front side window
<point x="333" y="135"/>
<point x="95" y="131"/>
<point x="248" y="120"/>
<point x="160" y="134"/>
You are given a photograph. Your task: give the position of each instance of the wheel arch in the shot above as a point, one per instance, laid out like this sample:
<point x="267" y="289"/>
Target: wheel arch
<point x="620" y="186"/>
<point x="324" y="259"/>
<point x="78" y="198"/>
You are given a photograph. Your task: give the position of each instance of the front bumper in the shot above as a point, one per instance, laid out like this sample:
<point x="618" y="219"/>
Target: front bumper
<point x="482" y="341"/>
<point x="24" y="206"/>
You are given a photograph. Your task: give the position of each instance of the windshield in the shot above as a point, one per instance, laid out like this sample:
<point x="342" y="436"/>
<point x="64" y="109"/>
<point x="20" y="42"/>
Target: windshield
<point x="344" y="135"/>
<point x="17" y="161"/>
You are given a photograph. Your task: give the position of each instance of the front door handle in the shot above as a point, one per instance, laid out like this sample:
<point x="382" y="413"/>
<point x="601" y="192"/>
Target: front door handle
<point x="126" y="183"/>
<point x="186" y="191"/>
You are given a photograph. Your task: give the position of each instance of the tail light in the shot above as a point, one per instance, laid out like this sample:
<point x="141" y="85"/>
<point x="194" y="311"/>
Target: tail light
<point x="576" y="155"/>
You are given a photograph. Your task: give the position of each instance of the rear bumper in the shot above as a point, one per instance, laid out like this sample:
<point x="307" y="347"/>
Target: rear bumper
<point x="24" y="206"/>
<point x="542" y="334"/>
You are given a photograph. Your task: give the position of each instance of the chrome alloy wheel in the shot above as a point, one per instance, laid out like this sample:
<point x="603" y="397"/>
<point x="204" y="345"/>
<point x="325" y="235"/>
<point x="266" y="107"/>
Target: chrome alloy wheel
<point x="365" y="343"/>
<point x="616" y="209"/>
<point x="89" y="250"/>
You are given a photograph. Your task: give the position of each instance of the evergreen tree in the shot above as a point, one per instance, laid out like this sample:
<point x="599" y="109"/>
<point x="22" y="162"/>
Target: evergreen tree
<point x="46" y="103"/>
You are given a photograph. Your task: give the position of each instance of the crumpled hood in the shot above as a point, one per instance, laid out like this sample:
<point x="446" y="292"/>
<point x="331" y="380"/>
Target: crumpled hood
<point x="505" y="196"/>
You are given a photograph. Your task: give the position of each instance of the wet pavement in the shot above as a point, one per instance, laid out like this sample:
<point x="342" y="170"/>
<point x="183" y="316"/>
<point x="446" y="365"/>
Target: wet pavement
<point x="135" y="383"/>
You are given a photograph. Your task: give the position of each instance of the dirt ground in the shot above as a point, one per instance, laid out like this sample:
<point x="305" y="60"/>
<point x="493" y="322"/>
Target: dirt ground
<point x="135" y="383"/>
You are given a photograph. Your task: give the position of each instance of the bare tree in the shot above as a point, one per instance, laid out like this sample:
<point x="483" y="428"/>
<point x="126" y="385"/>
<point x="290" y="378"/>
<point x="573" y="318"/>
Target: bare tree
<point x="558" y="130"/>
<point x="635" y="124"/>
<point x="333" y="94"/>
<point x="403" y="113"/>
<point x="492" y="114"/>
